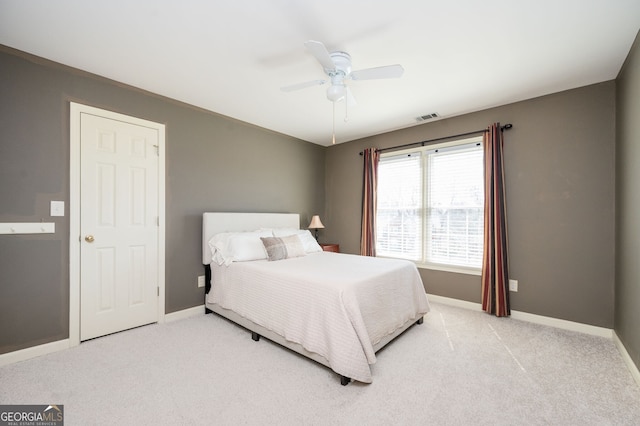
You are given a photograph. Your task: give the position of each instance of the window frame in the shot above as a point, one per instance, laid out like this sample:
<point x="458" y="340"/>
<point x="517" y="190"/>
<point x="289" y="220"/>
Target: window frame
<point x="424" y="153"/>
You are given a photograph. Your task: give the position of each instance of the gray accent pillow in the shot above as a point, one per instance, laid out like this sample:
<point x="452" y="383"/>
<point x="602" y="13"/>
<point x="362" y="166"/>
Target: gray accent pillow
<point x="293" y="245"/>
<point x="283" y="248"/>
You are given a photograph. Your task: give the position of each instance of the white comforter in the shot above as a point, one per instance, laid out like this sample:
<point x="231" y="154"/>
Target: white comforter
<point x="336" y="305"/>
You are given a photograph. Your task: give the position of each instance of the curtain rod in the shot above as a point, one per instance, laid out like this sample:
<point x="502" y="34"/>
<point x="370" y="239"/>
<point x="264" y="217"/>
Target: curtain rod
<point x="393" y="148"/>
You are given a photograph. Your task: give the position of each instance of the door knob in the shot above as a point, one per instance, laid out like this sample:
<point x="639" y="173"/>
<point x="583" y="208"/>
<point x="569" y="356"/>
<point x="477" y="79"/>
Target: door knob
<point x="89" y="238"/>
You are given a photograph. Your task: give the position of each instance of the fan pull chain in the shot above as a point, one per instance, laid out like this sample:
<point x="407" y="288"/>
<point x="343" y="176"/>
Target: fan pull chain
<point x="346" y="108"/>
<point x="333" y="137"/>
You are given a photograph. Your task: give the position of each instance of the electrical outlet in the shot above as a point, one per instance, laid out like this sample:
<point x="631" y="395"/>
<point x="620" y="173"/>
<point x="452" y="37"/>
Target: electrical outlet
<point x="513" y="285"/>
<point x="201" y="281"/>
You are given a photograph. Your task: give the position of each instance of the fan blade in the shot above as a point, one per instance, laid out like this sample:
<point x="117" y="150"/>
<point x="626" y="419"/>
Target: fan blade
<point x="321" y="53"/>
<point x="389" y="71"/>
<point x="351" y="101"/>
<point x="303" y="85"/>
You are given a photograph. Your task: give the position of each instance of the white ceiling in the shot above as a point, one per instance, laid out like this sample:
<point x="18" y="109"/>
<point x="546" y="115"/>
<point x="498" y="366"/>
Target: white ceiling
<point x="232" y="57"/>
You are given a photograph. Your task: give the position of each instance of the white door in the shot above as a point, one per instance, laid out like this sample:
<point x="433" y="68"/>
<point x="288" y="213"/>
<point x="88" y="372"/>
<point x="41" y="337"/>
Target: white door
<point x="119" y="225"/>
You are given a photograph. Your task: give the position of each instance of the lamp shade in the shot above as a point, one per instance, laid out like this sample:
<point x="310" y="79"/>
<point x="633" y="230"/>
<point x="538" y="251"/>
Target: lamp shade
<point x="316" y="223"/>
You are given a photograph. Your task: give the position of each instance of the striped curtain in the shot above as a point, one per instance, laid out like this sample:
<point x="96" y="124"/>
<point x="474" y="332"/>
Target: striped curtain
<point x="369" y="202"/>
<point x="495" y="263"/>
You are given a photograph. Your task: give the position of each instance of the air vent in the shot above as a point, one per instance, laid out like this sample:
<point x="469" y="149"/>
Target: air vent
<point x="427" y="117"/>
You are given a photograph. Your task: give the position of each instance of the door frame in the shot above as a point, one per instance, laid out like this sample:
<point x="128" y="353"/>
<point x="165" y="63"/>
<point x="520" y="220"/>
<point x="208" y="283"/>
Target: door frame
<point x="76" y="110"/>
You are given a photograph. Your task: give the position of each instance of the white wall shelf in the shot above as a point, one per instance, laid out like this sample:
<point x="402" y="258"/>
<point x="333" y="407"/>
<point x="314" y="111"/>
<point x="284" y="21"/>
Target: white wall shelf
<point x="28" y="228"/>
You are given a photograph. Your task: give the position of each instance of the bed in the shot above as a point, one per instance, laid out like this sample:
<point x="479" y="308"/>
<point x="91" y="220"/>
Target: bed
<point x="336" y="309"/>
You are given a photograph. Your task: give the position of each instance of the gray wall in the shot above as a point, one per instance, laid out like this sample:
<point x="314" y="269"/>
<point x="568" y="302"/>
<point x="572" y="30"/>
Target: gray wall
<point x="212" y="163"/>
<point x="560" y="187"/>
<point x="627" y="301"/>
<point x="559" y="161"/>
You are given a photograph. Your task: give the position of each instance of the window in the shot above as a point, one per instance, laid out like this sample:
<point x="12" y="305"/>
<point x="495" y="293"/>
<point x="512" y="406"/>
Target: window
<point x="431" y="204"/>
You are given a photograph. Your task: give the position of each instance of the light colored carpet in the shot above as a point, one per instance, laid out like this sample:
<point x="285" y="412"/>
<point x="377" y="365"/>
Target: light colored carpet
<point x="460" y="367"/>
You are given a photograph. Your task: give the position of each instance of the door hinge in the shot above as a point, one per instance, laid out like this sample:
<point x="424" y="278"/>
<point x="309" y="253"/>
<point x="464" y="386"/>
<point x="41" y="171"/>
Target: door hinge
<point x="157" y="220"/>
<point x="157" y="147"/>
<point x="158" y="291"/>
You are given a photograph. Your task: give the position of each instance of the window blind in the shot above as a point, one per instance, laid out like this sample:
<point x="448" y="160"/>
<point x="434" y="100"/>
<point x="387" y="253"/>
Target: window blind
<point x="455" y="207"/>
<point x="431" y="205"/>
<point x="400" y="206"/>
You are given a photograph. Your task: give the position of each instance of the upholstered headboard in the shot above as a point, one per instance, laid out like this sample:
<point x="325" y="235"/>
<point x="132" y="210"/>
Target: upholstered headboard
<point x="215" y="223"/>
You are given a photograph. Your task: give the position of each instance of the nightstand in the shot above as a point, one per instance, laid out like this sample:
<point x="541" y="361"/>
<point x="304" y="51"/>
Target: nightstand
<point x="331" y="247"/>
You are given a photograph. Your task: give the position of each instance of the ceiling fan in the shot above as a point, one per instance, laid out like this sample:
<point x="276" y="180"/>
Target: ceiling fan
<point x="337" y="66"/>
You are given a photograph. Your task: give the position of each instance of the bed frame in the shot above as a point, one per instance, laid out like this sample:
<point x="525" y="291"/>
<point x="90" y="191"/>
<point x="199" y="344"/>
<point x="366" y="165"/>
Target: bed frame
<point x="214" y="223"/>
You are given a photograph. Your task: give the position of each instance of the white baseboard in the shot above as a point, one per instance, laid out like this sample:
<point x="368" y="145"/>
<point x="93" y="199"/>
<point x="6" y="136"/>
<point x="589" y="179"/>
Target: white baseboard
<point x="60" y="345"/>
<point x="563" y="324"/>
<point x="455" y="302"/>
<point x="34" y="351"/>
<point x="185" y="313"/>
<point x="533" y="318"/>
<point x="633" y="368"/>
<point x="553" y="322"/>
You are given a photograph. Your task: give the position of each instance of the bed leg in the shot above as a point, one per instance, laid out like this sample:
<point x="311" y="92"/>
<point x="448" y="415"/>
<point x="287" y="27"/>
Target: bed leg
<point x="207" y="311"/>
<point x="420" y="321"/>
<point x="344" y="381"/>
<point x="255" y="336"/>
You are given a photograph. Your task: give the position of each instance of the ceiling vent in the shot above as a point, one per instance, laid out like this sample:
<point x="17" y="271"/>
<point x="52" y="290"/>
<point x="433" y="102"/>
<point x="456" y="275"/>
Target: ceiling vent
<point x="427" y="117"/>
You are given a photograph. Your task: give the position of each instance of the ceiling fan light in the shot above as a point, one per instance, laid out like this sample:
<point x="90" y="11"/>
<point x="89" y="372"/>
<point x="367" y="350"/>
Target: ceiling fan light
<point x="336" y="92"/>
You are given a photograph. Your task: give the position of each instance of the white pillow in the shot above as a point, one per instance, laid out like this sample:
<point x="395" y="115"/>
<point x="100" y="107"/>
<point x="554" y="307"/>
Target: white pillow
<point x="308" y="241"/>
<point x="218" y="245"/>
<point x="238" y="247"/>
<point x="285" y="232"/>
